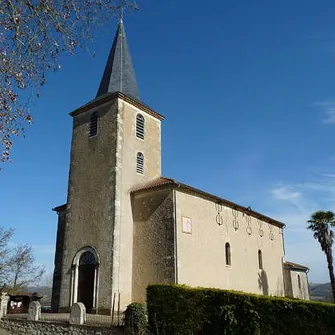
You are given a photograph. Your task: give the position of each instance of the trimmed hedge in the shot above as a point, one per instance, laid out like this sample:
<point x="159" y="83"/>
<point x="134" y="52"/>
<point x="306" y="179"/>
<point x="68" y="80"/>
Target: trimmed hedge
<point x="136" y="319"/>
<point x="179" y="310"/>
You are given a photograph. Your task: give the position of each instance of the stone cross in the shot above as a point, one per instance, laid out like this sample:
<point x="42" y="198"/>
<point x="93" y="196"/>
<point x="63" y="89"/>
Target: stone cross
<point x="78" y="313"/>
<point x="34" y="311"/>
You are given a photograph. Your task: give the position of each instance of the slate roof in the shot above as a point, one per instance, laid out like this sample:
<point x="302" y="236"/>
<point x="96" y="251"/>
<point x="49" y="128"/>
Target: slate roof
<point x="119" y="74"/>
<point x="296" y="266"/>
<point x="162" y="181"/>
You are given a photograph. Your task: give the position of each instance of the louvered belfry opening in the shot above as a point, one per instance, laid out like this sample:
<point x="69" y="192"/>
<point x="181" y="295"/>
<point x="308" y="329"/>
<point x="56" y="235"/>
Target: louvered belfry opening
<point x="140" y="126"/>
<point x="93" y="125"/>
<point x="140" y="163"/>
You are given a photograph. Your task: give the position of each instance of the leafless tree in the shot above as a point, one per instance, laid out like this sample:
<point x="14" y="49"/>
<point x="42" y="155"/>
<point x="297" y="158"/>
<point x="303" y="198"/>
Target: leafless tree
<point x="22" y="269"/>
<point x="18" y="268"/>
<point x="33" y="33"/>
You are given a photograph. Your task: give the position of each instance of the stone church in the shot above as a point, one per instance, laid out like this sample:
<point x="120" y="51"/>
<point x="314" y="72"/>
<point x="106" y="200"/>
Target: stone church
<point x="125" y="226"/>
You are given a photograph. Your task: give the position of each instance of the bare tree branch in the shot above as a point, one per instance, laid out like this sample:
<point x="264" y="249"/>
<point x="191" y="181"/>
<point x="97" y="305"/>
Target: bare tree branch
<point x="18" y="268"/>
<point x="33" y="33"/>
<point x="22" y="269"/>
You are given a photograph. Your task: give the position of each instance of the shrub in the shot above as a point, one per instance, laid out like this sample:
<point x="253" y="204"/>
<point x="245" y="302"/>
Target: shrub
<point x="175" y="309"/>
<point x="136" y="319"/>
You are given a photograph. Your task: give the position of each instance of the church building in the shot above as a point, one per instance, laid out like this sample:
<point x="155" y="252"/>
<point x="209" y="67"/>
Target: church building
<point x="125" y="226"/>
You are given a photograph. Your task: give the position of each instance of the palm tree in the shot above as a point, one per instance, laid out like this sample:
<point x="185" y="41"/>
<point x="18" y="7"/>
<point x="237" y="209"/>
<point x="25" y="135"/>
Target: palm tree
<point x="320" y="224"/>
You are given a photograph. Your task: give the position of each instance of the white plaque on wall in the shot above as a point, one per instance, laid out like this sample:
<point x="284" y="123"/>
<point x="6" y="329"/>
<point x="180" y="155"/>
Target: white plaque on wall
<point x="187" y="225"/>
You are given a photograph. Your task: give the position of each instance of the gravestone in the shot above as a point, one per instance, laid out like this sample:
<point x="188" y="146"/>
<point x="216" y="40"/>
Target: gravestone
<point x="34" y="311"/>
<point x="3" y="304"/>
<point x="78" y="313"/>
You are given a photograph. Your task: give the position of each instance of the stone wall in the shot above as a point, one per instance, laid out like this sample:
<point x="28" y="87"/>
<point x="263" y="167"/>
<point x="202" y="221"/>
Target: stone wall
<point x="153" y="246"/>
<point x="204" y="227"/>
<point x="128" y="146"/>
<point x="47" y="328"/>
<point x="300" y="288"/>
<point x="57" y="276"/>
<point x="287" y="282"/>
<point x="296" y="283"/>
<point x="99" y="212"/>
<point x="90" y="206"/>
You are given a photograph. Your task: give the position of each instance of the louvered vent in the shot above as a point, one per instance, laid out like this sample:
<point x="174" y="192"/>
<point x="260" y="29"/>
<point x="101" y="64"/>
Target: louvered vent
<point x="140" y="163"/>
<point x="93" y="125"/>
<point x="140" y="126"/>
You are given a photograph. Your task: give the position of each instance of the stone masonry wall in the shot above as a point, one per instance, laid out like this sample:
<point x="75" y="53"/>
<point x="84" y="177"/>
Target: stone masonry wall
<point x="25" y="327"/>
<point x="128" y="146"/>
<point x="153" y="247"/>
<point x="287" y="282"/>
<point x="90" y="206"/>
<point x="57" y="276"/>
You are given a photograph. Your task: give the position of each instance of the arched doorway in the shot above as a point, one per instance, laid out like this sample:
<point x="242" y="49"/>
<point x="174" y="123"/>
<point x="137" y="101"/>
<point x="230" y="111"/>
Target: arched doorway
<point x="85" y="278"/>
<point x="86" y="271"/>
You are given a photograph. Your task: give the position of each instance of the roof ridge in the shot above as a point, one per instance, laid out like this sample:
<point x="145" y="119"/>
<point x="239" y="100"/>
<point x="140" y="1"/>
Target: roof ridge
<point x="165" y="181"/>
<point x="293" y="264"/>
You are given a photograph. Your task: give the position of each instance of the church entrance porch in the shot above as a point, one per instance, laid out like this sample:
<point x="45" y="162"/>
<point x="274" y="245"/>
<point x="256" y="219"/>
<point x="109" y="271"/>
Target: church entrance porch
<point x="84" y="281"/>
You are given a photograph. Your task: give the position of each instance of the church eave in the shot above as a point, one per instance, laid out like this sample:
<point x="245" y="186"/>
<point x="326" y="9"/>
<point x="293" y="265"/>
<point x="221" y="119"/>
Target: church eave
<point x="168" y="182"/>
<point x="60" y="208"/>
<point x="111" y="96"/>
<point x="296" y="266"/>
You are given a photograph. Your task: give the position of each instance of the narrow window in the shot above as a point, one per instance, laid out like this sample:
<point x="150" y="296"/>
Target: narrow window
<point x="299" y="282"/>
<point x="140" y="163"/>
<point x="228" y="254"/>
<point x="260" y="260"/>
<point x="93" y="125"/>
<point x="140" y="126"/>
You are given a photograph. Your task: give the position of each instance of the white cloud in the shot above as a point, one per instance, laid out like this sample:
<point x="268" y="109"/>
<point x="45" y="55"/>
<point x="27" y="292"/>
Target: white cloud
<point x="292" y="197"/>
<point x="307" y="196"/>
<point x="329" y="109"/>
<point x="293" y="204"/>
<point x="284" y="193"/>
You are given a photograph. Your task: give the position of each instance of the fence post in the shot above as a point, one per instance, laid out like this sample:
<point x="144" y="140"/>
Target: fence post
<point x="34" y="311"/>
<point x="3" y="304"/>
<point x="78" y="314"/>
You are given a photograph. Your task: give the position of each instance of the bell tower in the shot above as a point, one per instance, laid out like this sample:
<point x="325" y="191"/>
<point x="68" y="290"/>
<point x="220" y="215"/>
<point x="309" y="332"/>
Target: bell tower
<point x="116" y="145"/>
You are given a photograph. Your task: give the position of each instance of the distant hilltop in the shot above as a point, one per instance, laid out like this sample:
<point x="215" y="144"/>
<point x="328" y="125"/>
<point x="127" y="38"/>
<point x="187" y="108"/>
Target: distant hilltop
<point x="320" y="292"/>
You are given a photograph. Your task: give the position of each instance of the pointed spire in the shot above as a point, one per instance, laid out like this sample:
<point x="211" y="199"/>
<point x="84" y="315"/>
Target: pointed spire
<point x="119" y="74"/>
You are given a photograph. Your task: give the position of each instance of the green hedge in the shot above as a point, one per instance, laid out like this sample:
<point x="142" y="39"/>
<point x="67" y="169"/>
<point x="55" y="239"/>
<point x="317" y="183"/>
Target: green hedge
<point x="136" y="319"/>
<point x="175" y="309"/>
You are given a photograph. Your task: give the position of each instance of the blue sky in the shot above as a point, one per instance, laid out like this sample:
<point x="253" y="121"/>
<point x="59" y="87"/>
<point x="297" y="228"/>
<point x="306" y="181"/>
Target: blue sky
<point x="248" y="92"/>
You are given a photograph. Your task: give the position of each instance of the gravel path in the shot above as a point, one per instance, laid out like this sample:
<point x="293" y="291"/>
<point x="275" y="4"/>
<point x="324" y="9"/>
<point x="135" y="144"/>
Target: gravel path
<point x="3" y="332"/>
